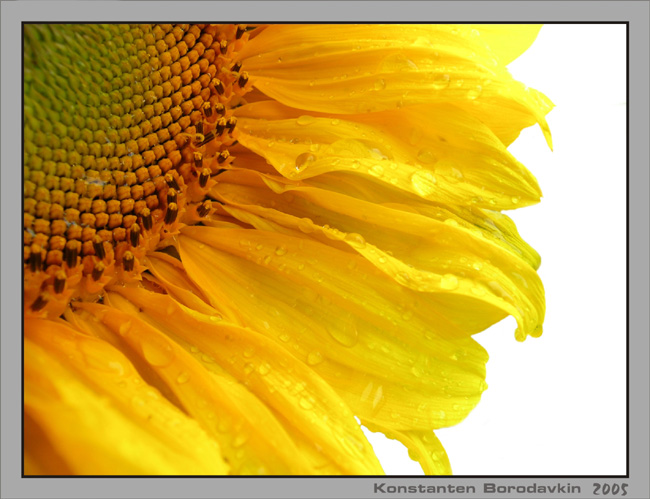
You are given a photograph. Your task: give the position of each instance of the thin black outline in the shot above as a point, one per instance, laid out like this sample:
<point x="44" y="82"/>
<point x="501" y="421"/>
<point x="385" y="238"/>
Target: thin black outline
<point x="384" y="477"/>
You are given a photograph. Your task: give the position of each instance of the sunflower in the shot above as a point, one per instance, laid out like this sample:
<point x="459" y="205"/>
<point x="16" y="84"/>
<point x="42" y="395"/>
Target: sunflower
<point x="240" y="242"/>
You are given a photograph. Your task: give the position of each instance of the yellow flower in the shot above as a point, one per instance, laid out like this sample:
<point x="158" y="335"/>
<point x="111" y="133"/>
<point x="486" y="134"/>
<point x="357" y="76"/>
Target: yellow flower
<point x="237" y="239"/>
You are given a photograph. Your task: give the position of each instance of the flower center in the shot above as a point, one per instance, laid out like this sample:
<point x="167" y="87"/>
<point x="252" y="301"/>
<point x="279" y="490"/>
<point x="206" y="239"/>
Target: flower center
<point x="124" y="128"/>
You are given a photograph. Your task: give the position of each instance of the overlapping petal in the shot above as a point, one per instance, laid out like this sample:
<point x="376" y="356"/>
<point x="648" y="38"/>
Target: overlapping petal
<point x="384" y="349"/>
<point x="331" y="252"/>
<point x="290" y="388"/>
<point x="436" y="152"/>
<point x="390" y="67"/>
<point x="228" y="412"/>
<point x="91" y="405"/>
<point x="461" y="263"/>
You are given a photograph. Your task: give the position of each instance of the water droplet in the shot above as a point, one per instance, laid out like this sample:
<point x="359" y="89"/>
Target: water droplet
<point x="478" y="291"/>
<point x="376" y="170"/>
<point x="451" y="222"/>
<point x="306" y="225"/>
<point x="346" y="334"/>
<point x="379" y="397"/>
<point x="264" y="369"/>
<point x="403" y="278"/>
<point x="125" y="327"/>
<point x="183" y="377"/>
<point x="397" y="63"/>
<point x="365" y="395"/>
<point x="380" y="84"/>
<point x="355" y="240"/>
<point x="158" y="352"/>
<point x="441" y="81"/>
<point x="424" y="182"/>
<point x="305" y="403"/>
<point x="239" y="440"/>
<point x="137" y="401"/>
<point x="407" y="315"/>
<point x="515" y="200"/>
<point x="97" y="358"/>
<point x="248" y="368"/>
<point x="304" y="160"/>
<point x="477" y="265"/>
<point x="376" y="153"/>
<point x="305" y="120"/>
<point x="284" y="337"/>
<point x="426" y="156"/>
<point x="417" y="371"/>
<point x="449" y="281"/>
<point x="499" y="290"/>
<point x="314" y="358"/>
<point x="448" y="170"/>
<point x="475" y="93"/>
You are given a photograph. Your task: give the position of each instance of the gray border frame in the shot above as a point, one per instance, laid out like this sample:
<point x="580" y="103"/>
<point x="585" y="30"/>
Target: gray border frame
<point x="637" y="13"/>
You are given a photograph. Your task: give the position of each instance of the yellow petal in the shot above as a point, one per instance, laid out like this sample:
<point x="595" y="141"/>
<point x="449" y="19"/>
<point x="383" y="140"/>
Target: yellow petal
<point x="437" y="152"/>
<point x="170" y="274"/>
<point x="434" y="256"/>
<point x="251" y="439"/>
<point x="276" y="377"/>
<point x="423" y="446"/>
<point x="506" y="120"/>
<point x="99" y="414"/>
<point x="507" y="41"/>
<point x="40" y="456"/>
<point x="386" y="349"/>
<point x="367" y="68"/>
<point x="495" y="226"/>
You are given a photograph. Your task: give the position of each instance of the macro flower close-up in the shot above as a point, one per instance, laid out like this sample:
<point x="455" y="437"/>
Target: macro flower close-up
<point x="242" y="243"/>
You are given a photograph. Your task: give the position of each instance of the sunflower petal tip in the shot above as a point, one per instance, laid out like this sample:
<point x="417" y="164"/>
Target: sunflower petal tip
<point x="549" y="138"/>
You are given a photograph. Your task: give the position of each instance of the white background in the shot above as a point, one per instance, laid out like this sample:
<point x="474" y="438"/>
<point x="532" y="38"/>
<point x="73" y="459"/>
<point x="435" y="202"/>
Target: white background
<point x="556" y="405"/>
